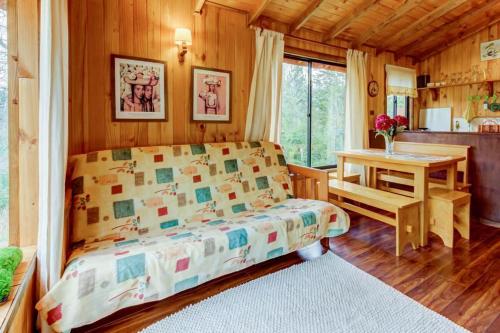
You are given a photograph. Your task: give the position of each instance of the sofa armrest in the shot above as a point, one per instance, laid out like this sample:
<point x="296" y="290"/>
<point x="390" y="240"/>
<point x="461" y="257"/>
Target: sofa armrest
<point x="314" y="184"/>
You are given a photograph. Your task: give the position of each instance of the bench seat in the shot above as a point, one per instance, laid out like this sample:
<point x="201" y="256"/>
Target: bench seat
<point x="405" y="209"/>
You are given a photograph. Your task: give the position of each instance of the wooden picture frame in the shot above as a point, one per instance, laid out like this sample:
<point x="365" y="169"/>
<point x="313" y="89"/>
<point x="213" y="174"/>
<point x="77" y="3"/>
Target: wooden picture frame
<point x="150" y="77"/>
<point x="211" y="95"/>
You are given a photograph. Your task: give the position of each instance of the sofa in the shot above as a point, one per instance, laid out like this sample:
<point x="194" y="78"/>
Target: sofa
<point x="147" y="223"/>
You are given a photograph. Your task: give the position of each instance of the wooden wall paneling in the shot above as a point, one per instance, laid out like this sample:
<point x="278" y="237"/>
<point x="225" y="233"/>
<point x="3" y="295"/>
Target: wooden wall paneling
<point x="461" y="57"/>
<point x="25" y="228"/>
<point x="98" y="28"/>
<point x="154" y="22"/>
<point x="111" y="46"/>
<point x="13" y="91"/>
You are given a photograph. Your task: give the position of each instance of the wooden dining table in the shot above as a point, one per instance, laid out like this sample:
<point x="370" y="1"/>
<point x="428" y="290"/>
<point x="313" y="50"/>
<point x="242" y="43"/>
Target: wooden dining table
<point x="419" y="165"/>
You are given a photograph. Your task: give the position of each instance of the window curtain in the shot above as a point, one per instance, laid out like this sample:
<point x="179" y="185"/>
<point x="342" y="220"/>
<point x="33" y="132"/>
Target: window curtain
<point x="264" y="104"/>
<point x="401" y="81"/>
<point x="53" y="145"/>
<point x="356" y="116"/>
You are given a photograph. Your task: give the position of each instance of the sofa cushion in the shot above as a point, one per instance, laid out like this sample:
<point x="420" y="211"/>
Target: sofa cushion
<point x="150" y="189"/>
<point x="114" y="273"/>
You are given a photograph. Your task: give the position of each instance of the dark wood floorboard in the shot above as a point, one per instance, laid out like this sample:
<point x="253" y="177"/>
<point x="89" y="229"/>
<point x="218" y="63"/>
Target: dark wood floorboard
<point x="462" y="283"/>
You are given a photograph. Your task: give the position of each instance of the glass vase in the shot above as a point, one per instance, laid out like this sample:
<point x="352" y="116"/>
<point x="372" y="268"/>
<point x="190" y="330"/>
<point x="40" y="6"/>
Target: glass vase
<point x="389" y="145"/>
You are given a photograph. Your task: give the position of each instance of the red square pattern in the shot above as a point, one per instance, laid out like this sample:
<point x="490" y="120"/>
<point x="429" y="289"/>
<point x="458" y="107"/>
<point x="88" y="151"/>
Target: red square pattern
<point x="162" y="211"/>
<point x="256" y="168"/>
<point x="158" y="158"/>
<point x="116" y="189"/>
<point x="182" y="265"/>
<point x="54" y="314"/>
<point x="285" y="186"/>
<point x="232" y="196"/>
<point x="333" y="218"/>
<point x="225" y="151"/>
<point x="197" y="179"/>
<point x="272" y="236"/>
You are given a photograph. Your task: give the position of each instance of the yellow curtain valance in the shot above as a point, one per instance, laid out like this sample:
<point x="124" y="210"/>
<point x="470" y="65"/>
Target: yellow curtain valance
<point x="401" y="81"/>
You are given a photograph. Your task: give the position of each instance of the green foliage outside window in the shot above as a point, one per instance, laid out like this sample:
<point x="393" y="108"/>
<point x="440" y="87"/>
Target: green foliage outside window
<point x="327" y="114"/>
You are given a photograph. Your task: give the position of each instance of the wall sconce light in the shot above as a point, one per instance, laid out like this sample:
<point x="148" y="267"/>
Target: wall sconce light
<point x="182" y="39"/>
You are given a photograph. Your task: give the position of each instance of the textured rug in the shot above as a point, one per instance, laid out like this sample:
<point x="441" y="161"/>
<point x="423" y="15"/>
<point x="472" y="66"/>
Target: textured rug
<point x="323" y="295"/>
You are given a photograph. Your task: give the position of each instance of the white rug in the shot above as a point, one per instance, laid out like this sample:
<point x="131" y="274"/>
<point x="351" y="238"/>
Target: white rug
<point x="323" y="295"/>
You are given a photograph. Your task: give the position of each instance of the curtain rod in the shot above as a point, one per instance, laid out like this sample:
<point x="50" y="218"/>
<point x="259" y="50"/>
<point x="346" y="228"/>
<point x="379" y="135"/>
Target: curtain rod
<point x="255" y="27"/>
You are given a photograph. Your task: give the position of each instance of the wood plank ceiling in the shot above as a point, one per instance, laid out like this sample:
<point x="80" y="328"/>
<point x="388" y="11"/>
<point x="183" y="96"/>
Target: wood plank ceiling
<point x="416" y="28"/>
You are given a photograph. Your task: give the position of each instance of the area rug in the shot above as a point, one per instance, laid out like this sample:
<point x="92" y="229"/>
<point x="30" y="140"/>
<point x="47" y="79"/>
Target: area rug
<point x="327" y="294"/>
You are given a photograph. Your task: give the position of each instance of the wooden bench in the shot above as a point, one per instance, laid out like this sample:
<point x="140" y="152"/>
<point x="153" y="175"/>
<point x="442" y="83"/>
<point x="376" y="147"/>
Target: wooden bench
<point x="388" y="176"/>
<point x="351" y="178"/>
<point x="449" y="210"/>
<point x="406" y="210"/>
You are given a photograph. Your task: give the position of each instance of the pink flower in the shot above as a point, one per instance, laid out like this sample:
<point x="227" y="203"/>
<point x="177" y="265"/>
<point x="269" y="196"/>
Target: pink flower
<point x="383" y="122"/>
<point x="401" y="120"/>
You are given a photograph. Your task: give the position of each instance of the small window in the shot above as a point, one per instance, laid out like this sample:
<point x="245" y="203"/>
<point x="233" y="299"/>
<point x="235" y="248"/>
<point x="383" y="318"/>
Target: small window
<point x="312" y="111"/>
<point x="398" y="106"/>
<point x="4" y="130"/>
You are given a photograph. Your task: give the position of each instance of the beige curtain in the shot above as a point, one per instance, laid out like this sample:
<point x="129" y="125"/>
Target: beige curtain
<point x="401" y="81"/>
<point x="53" y="146"/>
<point x="263" y="115"/>
<point x="356" y="116"/>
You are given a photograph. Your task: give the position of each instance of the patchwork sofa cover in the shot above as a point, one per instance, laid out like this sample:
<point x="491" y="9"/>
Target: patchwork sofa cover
<point x="151" y="222"/>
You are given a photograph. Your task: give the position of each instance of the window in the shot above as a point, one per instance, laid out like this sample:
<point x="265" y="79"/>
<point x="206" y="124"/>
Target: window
<point x="4" y="130"/>
<point x="398" y="106"/>
<point x="313" y="111"/>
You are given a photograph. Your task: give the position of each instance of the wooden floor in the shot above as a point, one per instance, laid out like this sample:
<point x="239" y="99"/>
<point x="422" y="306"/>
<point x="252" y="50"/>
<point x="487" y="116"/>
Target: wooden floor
<point x="462" y="284"/>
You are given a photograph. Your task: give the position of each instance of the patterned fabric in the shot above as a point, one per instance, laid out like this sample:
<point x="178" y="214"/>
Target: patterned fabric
<point x="147" y="190"/>
<point x="138" y="241"/>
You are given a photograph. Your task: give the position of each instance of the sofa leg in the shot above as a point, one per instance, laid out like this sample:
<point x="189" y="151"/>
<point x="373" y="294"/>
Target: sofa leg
<point x="325" y="242"/>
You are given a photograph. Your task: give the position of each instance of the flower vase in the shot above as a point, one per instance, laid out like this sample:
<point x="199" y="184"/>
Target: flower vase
<point x="389" y="145"/>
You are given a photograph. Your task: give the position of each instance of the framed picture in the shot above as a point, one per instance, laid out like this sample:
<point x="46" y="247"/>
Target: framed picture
<point x="211" y="95"/>
<point x="490" y="50"/>
<point x="139" y="89"/>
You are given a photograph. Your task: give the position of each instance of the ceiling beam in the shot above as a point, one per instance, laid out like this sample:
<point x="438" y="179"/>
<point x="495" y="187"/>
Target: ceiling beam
<point x="456" y="28"/>
<point x="255" y="14"/>
<point x="421" y="23"/>
<point x="198" y="6"/>
<point x="345" y="22"/>
<point x="305" y="15"/>
<point x="396" y="15"/>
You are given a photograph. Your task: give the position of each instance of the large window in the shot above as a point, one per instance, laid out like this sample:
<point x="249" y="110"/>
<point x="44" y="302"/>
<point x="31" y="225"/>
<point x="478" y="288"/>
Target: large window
<point x="313" y="111"/>
<point x="4" y="130"/>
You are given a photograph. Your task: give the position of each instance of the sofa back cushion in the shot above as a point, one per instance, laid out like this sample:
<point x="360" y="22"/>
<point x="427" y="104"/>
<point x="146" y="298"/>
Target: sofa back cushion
<point x="152" y="189"/>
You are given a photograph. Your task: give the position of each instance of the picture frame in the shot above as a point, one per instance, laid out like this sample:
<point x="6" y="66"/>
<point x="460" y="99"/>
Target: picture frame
<point x="211" y="95"/>
<point x="490" y="50"/>
<point x="139" y="89"/>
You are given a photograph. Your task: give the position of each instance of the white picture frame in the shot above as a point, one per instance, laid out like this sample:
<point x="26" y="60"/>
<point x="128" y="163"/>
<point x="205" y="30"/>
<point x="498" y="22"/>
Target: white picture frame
<point x="139" y="89"/>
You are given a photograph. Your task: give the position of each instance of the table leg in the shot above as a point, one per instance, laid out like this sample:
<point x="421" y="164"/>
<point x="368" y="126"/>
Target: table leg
<point x="372" y="177"/>
<point x="340" y="168"/>
<point x="421" y="192"/>
<point x="451" y="177"/>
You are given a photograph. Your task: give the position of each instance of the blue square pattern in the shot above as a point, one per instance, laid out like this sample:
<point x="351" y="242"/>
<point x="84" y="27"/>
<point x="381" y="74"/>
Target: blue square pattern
<point x="237" y="238"/>
<point x="186" y="284"/>
<point x="262" y="182"/>
<point x="169" y="224"/>
<point x="275" y="253"/>
<point x="124" y="208"/>
<point x="122" y="154"/>
<point x="164" y="175"/>
<point x="198" y="149"/>
<point x="130" y="267"/>
<point x="238" y="208"/>
<point x="231" y="166"/>
<point x="308" y="218"/>
<point x="203" y="194"/>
